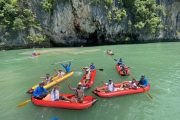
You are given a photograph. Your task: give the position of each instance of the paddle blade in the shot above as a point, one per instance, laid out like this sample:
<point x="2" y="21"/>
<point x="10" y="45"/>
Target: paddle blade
<point x="22" y="104"/>
<point x="115" y="59"/>
<point x="150" y="96"/>
<point x="101" y="69"/>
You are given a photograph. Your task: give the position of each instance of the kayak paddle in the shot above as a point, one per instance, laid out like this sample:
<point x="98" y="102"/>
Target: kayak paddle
<point x="22" y="104"/>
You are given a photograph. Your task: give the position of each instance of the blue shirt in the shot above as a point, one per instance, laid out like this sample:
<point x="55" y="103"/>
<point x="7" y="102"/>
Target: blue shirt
<point x="67" y="68"/>
<point x="144" y="82"/>
<point x="92" y="67"/>
<point x="39" y="91"/>
<point x="120" y="62"/>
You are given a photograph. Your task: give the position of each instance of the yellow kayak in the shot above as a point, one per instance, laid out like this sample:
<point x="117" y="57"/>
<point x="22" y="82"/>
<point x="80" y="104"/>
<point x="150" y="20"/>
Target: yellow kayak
<point x="55" y="80"/>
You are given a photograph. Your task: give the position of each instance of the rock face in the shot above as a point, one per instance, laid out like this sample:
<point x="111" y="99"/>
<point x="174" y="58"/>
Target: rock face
<point x="172" y="19"/>
<point x="77" y="22"/>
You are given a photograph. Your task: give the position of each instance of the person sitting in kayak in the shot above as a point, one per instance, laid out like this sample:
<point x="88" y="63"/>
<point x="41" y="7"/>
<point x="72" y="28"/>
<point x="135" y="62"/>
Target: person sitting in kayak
<point x="79" y="93"/>
<point x="40" y="92"/>
<point x="110" y="52"/>
<point x="35" y="53"/>
<point x="60" y="73"/>
<point x="110" y="87"/>
<point x="92" y="67"/>
<point x="133" y="84"/>
<point x="123" y="69"/>
<point x="67" y="67"/>
<point x="143" y="82"/>
<point x="87" y="76"/>
<point x="55" y="96"/>
<point x="120" y="62"/>
<point x="48" y="79"/>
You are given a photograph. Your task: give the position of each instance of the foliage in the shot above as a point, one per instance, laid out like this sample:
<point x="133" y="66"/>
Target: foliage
<point x="36" y="38"/>
<point x="16" y="16"/>
<point x="109" y="2"/>
<point x="18" y="24"/>
<point x="95" y="2"/>
<point x="144" y="16"/>
<point x="147" y="16"/>
<point x="47" y="5"/>
<point x="116" y="14"/>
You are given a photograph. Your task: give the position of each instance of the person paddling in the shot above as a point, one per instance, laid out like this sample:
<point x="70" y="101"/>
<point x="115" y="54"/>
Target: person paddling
<point x="92" y="67"/>
<point x="120" y="62"/>
<point x="40" y="92"/>
<point x="143" y="82"/>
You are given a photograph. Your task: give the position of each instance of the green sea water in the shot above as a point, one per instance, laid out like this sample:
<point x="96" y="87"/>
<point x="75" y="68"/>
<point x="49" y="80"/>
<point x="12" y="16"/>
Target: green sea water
<point x="159" y="62"/>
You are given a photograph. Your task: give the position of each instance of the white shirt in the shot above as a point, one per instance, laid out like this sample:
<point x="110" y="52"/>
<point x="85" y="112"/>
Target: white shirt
<point x="60" y="74"/>
<point x="48" y="80"/>
<point x="110" y="87"/>
<point x="88" y="75"/>
<point x="54" y="95"/>
<point x="133" y="84"/>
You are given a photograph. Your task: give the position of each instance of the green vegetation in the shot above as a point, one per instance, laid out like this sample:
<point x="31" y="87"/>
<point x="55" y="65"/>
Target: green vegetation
<point x="17" y="17"/>
<point x="143" y="16"/>
<point x="127" y="19"/>
<point x="147" y="16"/>
<point x="36" y="38"/>
<point x="47" y="5"/>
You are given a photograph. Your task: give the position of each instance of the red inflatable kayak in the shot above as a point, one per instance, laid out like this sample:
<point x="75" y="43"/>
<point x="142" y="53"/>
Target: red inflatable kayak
<point x="92" y="78"/>
<point x="88" y="102"/>
<point x="121" y="72"/>
<point x="120" y="92"/>
<point x="35" y="54"/>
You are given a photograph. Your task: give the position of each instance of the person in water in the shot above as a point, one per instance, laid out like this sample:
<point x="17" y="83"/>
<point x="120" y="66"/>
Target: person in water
<point x="48" y="79"/>
<point x="40" y="92"/>
<point x="67" y="67"/>
<point x="143" y="82"/>
<point x="79" y="93"/>
<point x="55" y="95"/>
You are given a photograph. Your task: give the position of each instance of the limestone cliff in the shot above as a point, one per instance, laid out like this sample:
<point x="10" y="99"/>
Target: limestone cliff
<point x="78" y="22"/>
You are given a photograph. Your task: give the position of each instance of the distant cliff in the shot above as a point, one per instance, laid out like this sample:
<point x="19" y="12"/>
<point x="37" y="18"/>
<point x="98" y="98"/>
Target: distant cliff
<point x="92" y="22"/>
